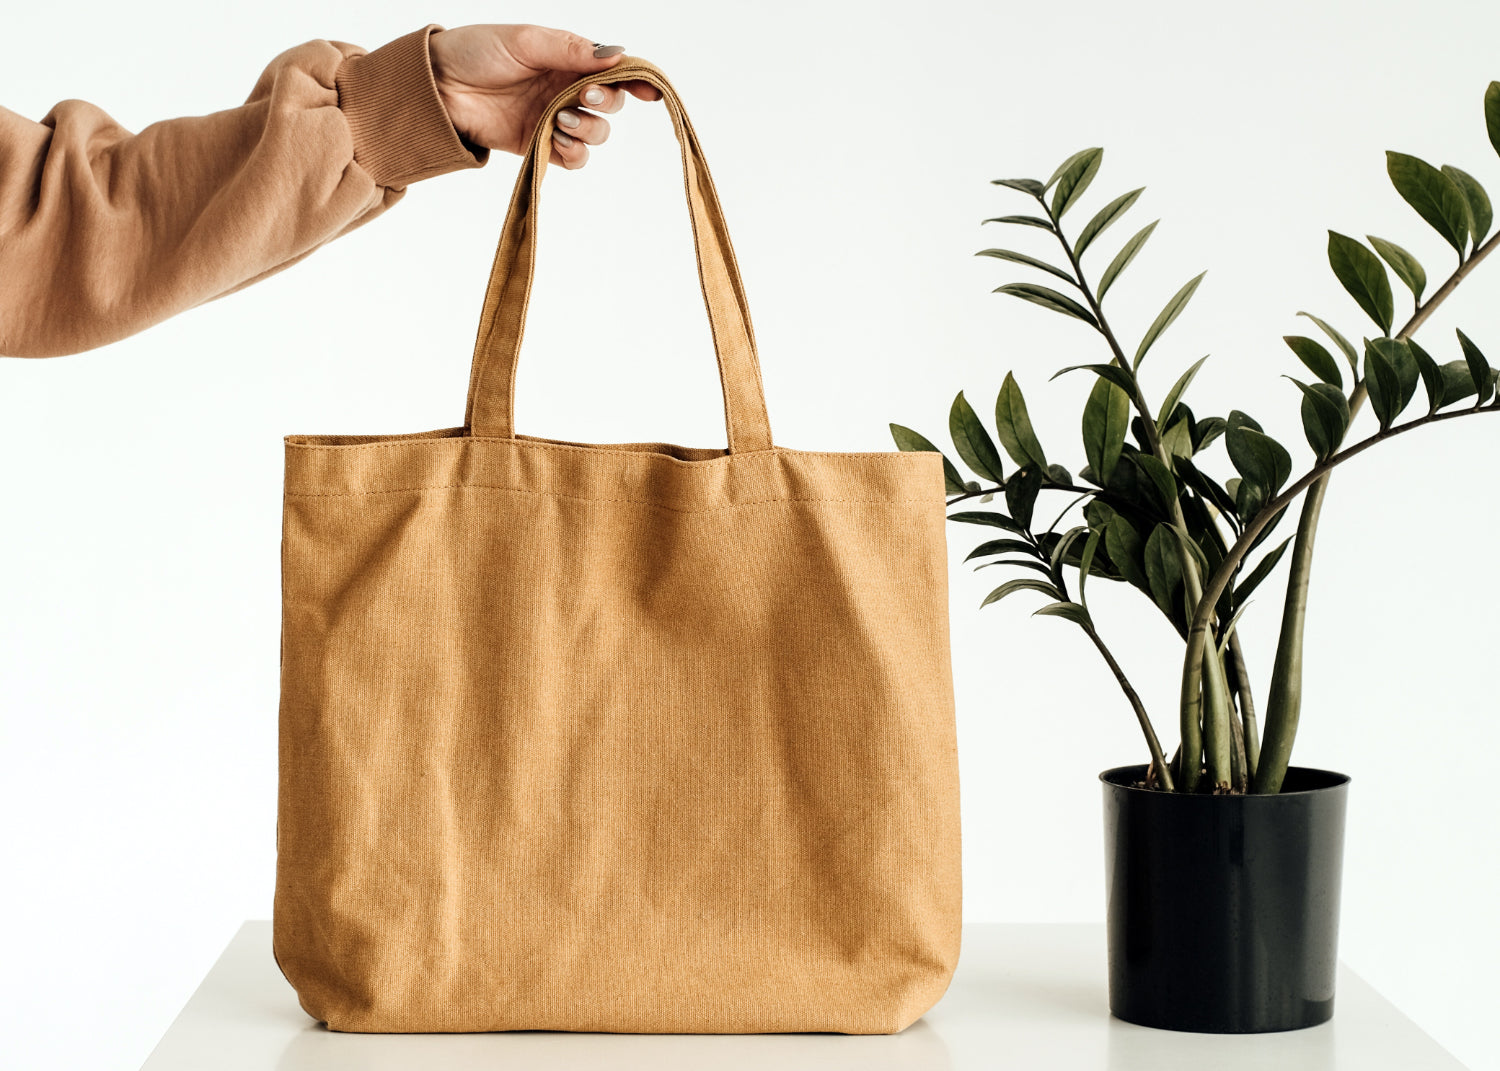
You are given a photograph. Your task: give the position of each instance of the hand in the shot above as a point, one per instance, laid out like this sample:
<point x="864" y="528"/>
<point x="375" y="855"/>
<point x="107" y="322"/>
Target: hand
<point x="495" y="81"/>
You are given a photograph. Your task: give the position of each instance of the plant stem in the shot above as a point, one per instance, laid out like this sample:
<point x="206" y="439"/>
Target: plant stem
<point x="1140" y="710"/>
<point x="1284" y="702"/>
<point x="1247" y="703"/>
<point x="1214" y="734"/>
<point x="1198" y="631"/>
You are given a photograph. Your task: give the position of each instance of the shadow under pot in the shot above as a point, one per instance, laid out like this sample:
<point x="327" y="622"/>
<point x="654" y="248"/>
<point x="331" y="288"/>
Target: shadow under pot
<point x="1223" y="911"/>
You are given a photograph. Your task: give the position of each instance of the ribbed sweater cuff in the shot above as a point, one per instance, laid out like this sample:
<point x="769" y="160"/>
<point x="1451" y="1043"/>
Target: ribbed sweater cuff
<point x="401" y="129"/>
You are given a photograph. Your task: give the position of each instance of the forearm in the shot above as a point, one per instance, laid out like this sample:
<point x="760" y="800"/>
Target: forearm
<point x="104" y="232"/>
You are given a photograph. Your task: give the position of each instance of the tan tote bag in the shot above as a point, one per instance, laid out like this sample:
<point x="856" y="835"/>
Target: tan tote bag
<point x="634" y="737"/>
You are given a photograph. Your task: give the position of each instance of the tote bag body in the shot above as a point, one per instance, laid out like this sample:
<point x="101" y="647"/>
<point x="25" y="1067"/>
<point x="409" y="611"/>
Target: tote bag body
<point x="632" y="737"/>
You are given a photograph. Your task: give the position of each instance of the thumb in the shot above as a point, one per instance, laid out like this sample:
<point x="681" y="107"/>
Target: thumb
<point x="545" y="49"/>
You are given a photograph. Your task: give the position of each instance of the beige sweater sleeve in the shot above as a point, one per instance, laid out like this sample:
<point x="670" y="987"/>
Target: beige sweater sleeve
<point x="104" y="232"/>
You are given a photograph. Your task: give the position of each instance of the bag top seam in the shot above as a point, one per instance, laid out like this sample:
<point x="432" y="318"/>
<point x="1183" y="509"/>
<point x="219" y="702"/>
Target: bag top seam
<point x="635" y="501"/>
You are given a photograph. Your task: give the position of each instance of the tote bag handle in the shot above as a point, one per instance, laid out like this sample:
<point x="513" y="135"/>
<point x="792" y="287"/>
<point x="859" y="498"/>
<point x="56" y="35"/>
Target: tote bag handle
<point x="490" y="410"/>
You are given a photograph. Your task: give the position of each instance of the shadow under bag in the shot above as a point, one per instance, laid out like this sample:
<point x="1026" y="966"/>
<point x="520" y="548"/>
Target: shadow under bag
<point x="638" y="737"/>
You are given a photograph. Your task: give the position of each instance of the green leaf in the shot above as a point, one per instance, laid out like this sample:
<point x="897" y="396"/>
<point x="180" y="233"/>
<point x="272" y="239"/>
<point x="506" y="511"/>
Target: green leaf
<point x="1070" y="610"/>
<point x="1001" y="546"/>
<point x="1167" y="315"/>
<point x="1060" y="550"/>
<point x="1103" y="218"/>
<point x="1394" y="357"/>
<point x="1059" y="475"/>
<point x="1022" y="258"/>
<point x="1479" y="368"/>
<point x="1259" y="459"/>
<point x="1270" y="526"/>
<point x="972" y="441"/>
<point x="1175" y="394"/>
<point x="1097" y="513"/>
<point x="1067" y="164"/>
<point x="1325" y="416"/>
<point x="994" y="520"/>
<point x="1406" y="266"/>
<point x="1481" y="214"/>
<point x="1187" y="544"/>
<point x="1024" y="583"/>
<point x="1021" y="491"/>
<point x="1364" y="277"/>
<point x="909" y="440"/>
<point x="1318" y="360"/>
<point x="1239" y="419"/>
<point x="1086" y="563"/>
<point x="1260" y="572"/>
<point x="1458" y="382"/>
<point x="1227" y="629"/>
<point x="1492" y="113"/>
<point x="1177" y="440"/>
<point x="1123" y="258"/>
<point x="1120" y="377"/>
<point x="1013" y="423"/>
<point x="1125" y="549"/>
<point x="1026" y="221"/>
<point x="1164" y="570"/>
<point x="1025" y="185"/>
<point x="1074" y="180"/>
<point x="1208" y="429"/>
<point x="1048" y="299"/>
<point x="1432" y="376"/>
<point x="1019" y="563"/>
<point x="1434" y="195"/>
<point x="1161" y="479"/>
<point x="1191" y="475"/>
<point x="1385" y="390"/>
<point x="1338" y="340"/>
<point x="1249" y="497"/>
<point x="1106" y="418"/>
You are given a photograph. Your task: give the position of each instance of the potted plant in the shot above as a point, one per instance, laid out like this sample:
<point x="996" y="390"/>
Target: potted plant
<point x="1223" y="860"/>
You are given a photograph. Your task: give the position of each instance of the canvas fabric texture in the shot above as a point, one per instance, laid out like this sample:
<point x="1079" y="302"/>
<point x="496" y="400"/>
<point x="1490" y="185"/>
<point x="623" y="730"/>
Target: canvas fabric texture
<point x="632" y="737"/>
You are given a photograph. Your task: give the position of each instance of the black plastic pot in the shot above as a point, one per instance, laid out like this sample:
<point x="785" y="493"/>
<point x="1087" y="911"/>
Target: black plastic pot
<point x="1223" y="910"/>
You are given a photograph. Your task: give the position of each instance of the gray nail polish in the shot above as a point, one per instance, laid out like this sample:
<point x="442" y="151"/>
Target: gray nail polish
<point x="606" y="51"/>
<point x="562" y="139"/>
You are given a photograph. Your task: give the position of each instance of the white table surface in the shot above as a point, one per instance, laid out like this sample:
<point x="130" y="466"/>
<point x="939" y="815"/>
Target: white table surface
<point x="1024" y="996"/>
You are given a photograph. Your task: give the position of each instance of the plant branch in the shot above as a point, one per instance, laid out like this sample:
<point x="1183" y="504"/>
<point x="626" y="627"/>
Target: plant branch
<point x="1419" y="317"/>
<point x="1282" y="712"/>
<point x="1198" y="632"/>
<point x="1157" y="758"/>
<point x="1212" y="731"/>
<point x="1247" y="703"/>
<point x="1153" y="440"/>
<point x="1284" y="703"/>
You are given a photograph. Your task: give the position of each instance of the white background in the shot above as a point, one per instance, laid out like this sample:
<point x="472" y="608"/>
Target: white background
<point x="853" y="148"/>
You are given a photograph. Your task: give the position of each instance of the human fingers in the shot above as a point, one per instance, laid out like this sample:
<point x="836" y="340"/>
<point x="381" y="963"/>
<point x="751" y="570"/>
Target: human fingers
<point x="611" y="98"/>
<point x="543" y="48"/>
<point x="567" y="151"/>
<point x="641" y="90"/>
<point x="589" y="129"/>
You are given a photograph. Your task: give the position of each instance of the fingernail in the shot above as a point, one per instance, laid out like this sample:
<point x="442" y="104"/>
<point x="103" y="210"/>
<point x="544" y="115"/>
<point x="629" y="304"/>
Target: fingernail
<point x="568" y="119"/>
<point x="562" y="139"/>
<point x="593" y="95"/>
<point x="606" y="51"/>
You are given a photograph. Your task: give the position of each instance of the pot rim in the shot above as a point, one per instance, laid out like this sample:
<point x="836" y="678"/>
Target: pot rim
<point x="1336" y="781"/>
